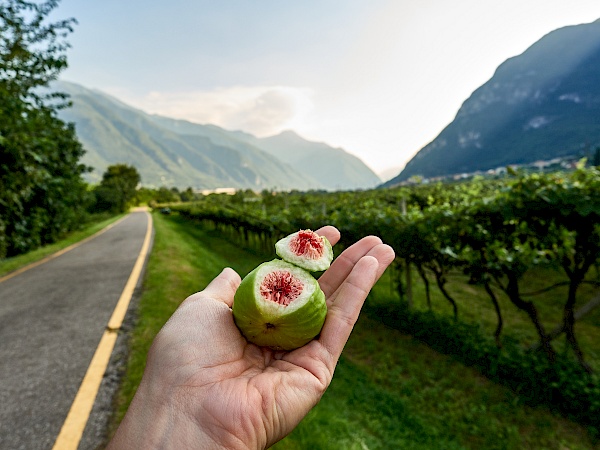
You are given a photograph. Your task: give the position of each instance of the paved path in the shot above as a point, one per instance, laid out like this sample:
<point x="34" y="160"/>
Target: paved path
<point x="51" y="320"/>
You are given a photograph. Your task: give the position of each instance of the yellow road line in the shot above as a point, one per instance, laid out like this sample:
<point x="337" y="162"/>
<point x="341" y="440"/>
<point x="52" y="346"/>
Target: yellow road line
<point x="72" y="429"/>
<point x="60" y="252"/>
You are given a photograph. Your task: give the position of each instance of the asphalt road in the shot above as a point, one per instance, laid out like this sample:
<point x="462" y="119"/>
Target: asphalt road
<point x="51" y="320"/>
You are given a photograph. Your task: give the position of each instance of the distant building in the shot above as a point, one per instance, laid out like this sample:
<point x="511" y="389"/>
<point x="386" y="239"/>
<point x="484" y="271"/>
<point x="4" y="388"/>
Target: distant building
<point x="228" y="191"/>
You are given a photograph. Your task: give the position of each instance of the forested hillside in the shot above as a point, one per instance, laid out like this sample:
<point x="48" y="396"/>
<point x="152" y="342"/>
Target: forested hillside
<point x="540" y="105"/>
<point x="170" y="152"/>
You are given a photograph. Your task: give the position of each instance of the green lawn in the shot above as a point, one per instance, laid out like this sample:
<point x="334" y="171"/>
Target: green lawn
<point x="389" y="391"/>
<point x="11" y="264"/>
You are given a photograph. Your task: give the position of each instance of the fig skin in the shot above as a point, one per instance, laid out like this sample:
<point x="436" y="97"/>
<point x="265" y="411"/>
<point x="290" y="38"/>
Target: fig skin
<point x="269" y="324"/>
<point x="282" y="248"/>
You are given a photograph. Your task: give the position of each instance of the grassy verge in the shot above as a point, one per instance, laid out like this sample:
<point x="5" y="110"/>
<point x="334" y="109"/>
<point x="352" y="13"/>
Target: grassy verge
<point x="11" y="264"/>
<point x="389" y="391"/>
<point x="184" y="260"/>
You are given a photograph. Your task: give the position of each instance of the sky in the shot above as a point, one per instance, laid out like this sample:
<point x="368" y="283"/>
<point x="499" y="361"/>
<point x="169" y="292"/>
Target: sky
<point x="379" y="78"/>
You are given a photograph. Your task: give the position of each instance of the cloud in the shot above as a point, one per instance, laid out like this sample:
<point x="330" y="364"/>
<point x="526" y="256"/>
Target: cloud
<point x="260" y="110"/>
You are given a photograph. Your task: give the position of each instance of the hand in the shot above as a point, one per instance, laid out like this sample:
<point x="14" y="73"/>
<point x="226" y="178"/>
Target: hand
<point x="206" y="387"/>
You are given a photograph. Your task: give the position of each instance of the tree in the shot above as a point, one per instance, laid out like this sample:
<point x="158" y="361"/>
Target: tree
<point x="596" y="159"/>
<point x="117" y="189"/>
<point x="166" y="195"/>
<point x="187" y="195"/>
<point x="42" y="192"/>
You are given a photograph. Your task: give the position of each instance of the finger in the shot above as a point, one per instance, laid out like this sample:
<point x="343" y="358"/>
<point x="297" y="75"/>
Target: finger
<point x="384" y="254"/>
<point x="222" y="288"/>
<point x="331" y="233"/>
<point x="343" y="313"/>
<point x="341" y="267"/>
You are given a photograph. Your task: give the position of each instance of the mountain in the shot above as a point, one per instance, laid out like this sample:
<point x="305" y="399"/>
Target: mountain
<point x="542" y="104"/>
<point x="388" y="174"/>
<point x="112" y="132"/>
<point x="170" y="152"/>
<point x="333" y="167"/>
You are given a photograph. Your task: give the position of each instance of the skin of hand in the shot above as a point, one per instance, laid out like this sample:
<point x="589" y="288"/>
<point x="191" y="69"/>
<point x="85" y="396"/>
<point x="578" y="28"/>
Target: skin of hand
<point x="206" y="387"/>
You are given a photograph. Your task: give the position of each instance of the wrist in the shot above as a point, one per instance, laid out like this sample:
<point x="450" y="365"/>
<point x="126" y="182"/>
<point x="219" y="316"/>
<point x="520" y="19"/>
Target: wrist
<point x="152" y="425"/>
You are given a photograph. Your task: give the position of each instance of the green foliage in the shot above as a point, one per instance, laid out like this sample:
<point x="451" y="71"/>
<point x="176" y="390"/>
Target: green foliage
<point x="187" y="195"/>
<point x="144" y="196"/>
<point x="117" y="189"/>
<point x="93" y="224"/>
<point x="496" y="232"/>
<point x="565" y="386"/>
<point x="165" y="195"/>
<point x="389" y="391"/>
<point x="42" y="194"/>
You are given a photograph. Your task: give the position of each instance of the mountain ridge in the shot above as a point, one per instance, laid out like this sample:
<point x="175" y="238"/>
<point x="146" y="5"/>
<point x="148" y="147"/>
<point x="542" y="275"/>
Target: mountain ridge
<point x="293" y="149"/>
<point x="538" y="105"/>
<point x="173" y="152"/>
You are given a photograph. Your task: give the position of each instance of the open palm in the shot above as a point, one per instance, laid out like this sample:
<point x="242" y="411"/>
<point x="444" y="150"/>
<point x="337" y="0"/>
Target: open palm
<point x="213" y="389"/>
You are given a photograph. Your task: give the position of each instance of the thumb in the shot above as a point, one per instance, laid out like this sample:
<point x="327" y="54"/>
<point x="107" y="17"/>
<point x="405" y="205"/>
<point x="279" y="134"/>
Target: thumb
<point x="222" y="288"/>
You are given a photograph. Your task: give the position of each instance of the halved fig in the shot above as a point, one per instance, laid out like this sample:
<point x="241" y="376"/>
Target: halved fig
<point x="306" y="249"/>
<point x="279" y="305"/>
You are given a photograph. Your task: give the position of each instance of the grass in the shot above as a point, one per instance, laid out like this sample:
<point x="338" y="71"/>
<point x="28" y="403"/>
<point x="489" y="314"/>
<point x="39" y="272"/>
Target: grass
<point x="389" y="391"/>
<point x="8" y="265"/>
<point x="475" y="306"/>
<point x="184" y="259"/>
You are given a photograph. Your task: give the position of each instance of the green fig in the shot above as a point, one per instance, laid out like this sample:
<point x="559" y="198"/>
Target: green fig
<point x="279" y="305"/>
<point x="306" y="249"/>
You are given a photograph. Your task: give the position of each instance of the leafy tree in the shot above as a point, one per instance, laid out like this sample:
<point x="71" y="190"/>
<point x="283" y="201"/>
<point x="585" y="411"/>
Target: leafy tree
<point x="166" y="195"/>
<point x="144" y="195"/>
<point x="117" y="189"/>
<point x="187" y="195"/>
<point x="42" y="193"/>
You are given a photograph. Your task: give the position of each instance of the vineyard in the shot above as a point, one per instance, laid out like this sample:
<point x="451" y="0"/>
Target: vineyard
<point x="528" y="243"/>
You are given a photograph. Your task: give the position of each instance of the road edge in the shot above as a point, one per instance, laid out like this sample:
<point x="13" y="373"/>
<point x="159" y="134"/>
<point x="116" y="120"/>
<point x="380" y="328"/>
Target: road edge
<point x="73" y="427"/>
